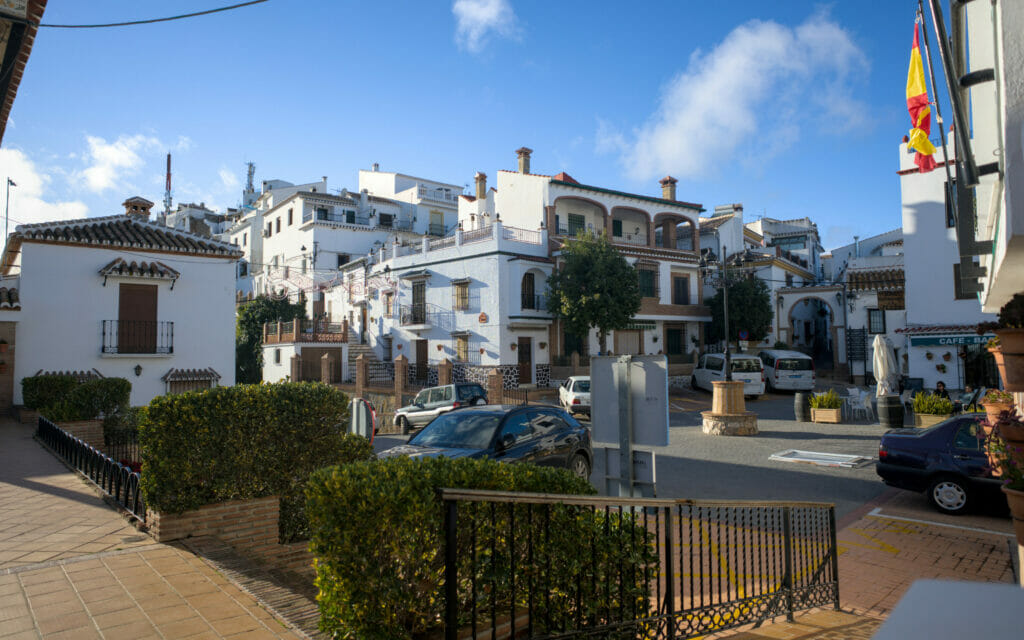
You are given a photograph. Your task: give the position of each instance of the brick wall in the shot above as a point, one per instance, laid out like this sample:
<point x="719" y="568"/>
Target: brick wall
<point x="88" y="431"/>
<point x="249" y="526"/>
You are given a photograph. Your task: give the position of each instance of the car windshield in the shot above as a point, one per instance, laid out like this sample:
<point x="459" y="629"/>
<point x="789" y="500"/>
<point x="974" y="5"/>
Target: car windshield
<point x="794" y="364"/>
<point x="583" y="386"/>
<point x="459" y="430"/>
<point x="745" y="365"/>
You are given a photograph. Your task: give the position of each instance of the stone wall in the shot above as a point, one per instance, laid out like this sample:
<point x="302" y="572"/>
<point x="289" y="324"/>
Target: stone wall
<point x="248" y="526"/>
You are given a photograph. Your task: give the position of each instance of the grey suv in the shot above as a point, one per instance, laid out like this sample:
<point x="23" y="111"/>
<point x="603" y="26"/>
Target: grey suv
<point x="432" y="402"/>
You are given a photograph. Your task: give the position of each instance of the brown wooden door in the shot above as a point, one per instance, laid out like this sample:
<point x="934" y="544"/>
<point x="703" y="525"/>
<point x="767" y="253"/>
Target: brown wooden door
<point x="363" y="329"/>
<point x="136" y="319"/>
<point x="421" y="360"/>
<point x="525" y="349"/>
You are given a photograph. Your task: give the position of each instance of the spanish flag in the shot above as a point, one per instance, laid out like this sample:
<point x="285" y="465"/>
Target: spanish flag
<point x="920" y="111"/>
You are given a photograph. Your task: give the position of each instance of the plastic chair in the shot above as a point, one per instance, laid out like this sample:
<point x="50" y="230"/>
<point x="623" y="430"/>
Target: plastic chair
<point x="865" y="406"/>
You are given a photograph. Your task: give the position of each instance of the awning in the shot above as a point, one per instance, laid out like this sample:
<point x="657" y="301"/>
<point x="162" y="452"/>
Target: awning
<point x="418" y="274"/>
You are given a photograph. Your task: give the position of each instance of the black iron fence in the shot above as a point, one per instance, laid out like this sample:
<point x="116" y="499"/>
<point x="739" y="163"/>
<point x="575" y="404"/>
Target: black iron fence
<point x="553" y="566"/>
<point x="122" y="445"/>
<point x="516" y="396"/>
<point x="138" y="336"/>
<point x="116" y="480"/>
<point x="534" y="301"/>
<point x="378" y="372"/>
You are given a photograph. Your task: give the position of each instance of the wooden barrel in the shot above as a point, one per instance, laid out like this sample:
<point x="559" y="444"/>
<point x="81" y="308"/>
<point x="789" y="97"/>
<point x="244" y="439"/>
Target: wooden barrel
<point x="802" y="406"/>
<point x="890" y="412"/>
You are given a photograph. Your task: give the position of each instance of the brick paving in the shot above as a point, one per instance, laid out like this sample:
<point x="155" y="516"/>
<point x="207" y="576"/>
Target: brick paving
<point x="72" y="567"/>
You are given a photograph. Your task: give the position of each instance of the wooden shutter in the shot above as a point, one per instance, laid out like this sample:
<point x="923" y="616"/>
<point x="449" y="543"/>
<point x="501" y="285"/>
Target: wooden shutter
<point x="136" y="318"/>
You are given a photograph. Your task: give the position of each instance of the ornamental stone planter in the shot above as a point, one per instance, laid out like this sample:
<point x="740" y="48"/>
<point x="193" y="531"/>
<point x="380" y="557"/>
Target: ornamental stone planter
<point x="993" y="409"/>
<point x="1015" y="499"/>
<point x="924" y="420"/>
<point x="1009" y="357"/>
<point x="827" y="416"/>
<point x="728" y="415"/>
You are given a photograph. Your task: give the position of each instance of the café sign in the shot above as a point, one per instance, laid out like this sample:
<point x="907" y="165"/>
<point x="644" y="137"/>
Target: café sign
<point x="948" y="341"/>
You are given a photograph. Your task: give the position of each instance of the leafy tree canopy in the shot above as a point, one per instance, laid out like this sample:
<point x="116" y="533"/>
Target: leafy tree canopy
<point x="249" y="332"/>
<point x="593" y="286"/>
<point x="750" y="310"/>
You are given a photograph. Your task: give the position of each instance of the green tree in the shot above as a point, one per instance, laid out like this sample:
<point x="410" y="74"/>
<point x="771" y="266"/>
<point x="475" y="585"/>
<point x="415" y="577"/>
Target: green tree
<point x="249" y="332"/>
<point x="750" y="310"/>
<point x="593" y="286"/>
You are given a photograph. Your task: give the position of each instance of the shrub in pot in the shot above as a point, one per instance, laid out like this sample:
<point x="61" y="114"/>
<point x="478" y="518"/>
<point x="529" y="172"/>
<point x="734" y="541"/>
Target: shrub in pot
<point x="1008" y="348"/>
<point x="996" y="402"/>
<point x="826" y="407"/>
<point x="931" y="409"/>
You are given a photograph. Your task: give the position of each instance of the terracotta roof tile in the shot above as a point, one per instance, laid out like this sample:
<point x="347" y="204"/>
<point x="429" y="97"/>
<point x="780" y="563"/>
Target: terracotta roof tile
<point x="141" y="269"/>
<point x="190" y="375"/>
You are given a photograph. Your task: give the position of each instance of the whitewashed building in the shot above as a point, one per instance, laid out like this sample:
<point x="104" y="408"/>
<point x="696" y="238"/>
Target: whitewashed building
<point x="478" y="296"/>
<point x="119" y="296"/>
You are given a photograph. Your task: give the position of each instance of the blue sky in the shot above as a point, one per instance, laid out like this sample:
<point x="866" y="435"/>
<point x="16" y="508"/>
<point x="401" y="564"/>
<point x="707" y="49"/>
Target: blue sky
<point x="792" y="108"/>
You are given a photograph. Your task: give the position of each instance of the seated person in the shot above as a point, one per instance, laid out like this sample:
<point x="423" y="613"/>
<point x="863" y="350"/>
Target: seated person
<point x="963" y="403"/>
<point x="940" y="390"/>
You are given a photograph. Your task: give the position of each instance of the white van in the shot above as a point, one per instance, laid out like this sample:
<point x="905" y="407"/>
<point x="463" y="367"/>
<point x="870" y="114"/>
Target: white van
<point x="789" y="370"/>
<point x="745" y="368"/>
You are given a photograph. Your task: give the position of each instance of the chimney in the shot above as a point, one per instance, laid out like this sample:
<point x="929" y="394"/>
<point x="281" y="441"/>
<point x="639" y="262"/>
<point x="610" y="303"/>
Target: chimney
<point x="138" y="207"/>
<point x="364" y="198"/>
<point x="668" y="187"/>
<point x="481" y="185"/>
<point x="856" y="246"/>
<point x="375" y="167"/>
<point x="524" y="159"/>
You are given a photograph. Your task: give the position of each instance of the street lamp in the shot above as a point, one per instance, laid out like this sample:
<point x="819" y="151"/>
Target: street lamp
<point x="738" y="262"/>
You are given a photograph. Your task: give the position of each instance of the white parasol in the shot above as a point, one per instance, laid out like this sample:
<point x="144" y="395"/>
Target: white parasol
<point x="885" y="367"/>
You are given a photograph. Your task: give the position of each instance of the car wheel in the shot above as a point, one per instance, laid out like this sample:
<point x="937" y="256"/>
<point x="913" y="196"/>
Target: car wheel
<point x="579" y="466"/>
<point x="949" y="495"/>
<point x="403" y="423"/>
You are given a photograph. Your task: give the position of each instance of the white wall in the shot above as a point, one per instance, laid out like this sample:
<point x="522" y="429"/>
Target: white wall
<point x="277" y="371"/>
<point x="64" y="305"/>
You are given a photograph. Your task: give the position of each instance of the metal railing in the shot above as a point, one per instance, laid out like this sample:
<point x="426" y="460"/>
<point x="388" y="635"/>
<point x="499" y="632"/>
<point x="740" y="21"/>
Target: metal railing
<point x="122" y="445"/>
<point x="571" y="229"/>
<point x="515" y="396"/>
<point x="441" y="243"/>
<point x="520" y="235"/>
<point x="380" y="372"/>
<point x="426" y="314"/>
<point x="435" y="229"/>
<point x="138" y="336"/>
<point x="533" y="302"/>
<point x="631" y="238"/>
<point x="478" y="235"/>
<point x="114" y="479"/>
<point x="640" y="568"/>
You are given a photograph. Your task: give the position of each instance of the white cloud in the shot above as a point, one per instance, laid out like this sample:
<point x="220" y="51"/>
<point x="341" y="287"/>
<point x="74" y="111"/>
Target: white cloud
<point x="748" y="99"/>
<point x="228" y="179"/>
<point x="112" y="161"/>
<point x="27" y="202"/>
<point x="475" y="20"/>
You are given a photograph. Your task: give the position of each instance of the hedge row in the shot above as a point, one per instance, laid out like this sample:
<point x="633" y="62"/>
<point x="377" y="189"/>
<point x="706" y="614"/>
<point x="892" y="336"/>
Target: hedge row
<point x="64" y="398"/>
<point x="243" y="442"/>
<point x="378" y="541"/>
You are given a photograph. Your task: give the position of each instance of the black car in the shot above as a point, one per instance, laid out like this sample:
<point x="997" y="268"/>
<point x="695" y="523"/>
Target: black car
<point x="538" y="434"/>
<point x="946" y="461"/>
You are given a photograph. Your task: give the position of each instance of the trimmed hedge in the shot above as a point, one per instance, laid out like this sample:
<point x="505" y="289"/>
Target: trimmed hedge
<point x="44" y="391"/>
<point x="243" y="442"/>
<point x="378" y="541"/>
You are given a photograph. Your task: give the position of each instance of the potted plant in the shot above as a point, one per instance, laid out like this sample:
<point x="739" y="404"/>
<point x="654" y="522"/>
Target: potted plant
<point x="1008" y="346"/>
<point x="826" y="407"/>
<point x="1005" y="447"/>
<point x="930" y="409"/>
<point x="947" y="356"/>
<point x="996" y="402"/>
<point x="928" y="354"/>
<point x="941" y="368"/>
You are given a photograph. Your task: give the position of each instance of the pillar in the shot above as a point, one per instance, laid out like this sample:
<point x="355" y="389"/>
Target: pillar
<point x="325" y="369"/>
<point x="361" y="375"/>
<point x="401" y="378"/>
<point x="444" y="372"/>
<point x="296" y="364"/>
<point x="495" y="393"/>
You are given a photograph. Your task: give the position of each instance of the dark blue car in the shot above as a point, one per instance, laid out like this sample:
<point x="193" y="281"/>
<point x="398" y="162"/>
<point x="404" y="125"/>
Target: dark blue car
<point x="946" y="461"/>
<point x="526" y="433"/>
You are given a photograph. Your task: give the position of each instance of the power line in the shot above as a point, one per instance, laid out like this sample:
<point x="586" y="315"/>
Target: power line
<point x="139" y="22"/>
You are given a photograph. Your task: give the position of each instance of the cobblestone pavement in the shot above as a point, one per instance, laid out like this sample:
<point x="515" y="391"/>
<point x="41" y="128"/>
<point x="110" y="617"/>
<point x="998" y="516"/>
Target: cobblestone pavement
<point x="72" y="567"/>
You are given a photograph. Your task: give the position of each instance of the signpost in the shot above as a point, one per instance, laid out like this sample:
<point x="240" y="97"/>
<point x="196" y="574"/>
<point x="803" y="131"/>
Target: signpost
<point x="629" y="397"/>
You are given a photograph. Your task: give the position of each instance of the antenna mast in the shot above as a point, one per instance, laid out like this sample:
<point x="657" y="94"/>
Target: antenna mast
<point x="167" y="192"/>
<point x="250" y="172"/>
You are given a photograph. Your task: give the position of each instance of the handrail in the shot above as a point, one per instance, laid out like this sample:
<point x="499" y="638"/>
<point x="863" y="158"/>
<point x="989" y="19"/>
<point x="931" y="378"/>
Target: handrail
<point x="477" y="495"/>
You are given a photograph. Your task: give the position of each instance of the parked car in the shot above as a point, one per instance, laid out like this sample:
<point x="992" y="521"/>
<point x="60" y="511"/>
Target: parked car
<point x="574" y="394"/>
<point x="789" y="370"/>
<point x="946" y="461"/>
<point x="432" y="402"/>
<point x="745" y="368"/>
<point x="542" y="435"/>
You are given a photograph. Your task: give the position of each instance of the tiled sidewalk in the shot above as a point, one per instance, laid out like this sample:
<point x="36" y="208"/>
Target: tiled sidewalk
<point x="72" y="567"/>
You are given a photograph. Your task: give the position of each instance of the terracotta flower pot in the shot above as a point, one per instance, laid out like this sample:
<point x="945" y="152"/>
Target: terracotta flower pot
<point x="1015" y="499"/>
<point x="993" y="409"/>
<point x="1009" y="356"/>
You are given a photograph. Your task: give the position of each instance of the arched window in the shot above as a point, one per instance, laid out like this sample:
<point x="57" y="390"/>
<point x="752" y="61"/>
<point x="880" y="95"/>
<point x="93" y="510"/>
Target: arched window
<point x="529" y="292"/>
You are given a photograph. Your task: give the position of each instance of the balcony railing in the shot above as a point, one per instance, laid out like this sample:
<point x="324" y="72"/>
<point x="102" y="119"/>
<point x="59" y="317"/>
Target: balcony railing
<point x="571" y="229"/>
<point x="435" y="229"/>
<point x="631" y="238"/>
<point x="426" y="314"/>
<point x="305" y="331"/>
<point x="340" y="218"/>
<point x="138" y="336"/>
<point x="534" y="302"/>
<point x="438" y="194"/>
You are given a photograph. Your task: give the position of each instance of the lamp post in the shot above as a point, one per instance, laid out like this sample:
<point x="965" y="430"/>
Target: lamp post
<point x="738" y="263"/>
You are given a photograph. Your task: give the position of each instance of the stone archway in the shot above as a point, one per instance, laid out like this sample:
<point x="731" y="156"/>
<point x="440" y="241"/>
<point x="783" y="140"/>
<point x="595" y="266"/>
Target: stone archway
<point x="832" y="296"/>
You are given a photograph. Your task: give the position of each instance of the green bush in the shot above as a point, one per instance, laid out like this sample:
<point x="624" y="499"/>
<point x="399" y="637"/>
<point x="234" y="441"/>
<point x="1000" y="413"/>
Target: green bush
<point x="931" y="404"/>
<point x="378" y="540"/>
<point x="828" y="400"/>
<point x="241" y="442"/>
<point x="45" y="391"/>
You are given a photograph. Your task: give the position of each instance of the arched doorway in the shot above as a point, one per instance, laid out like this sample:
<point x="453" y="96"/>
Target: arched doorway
<point x="811" y="319"/>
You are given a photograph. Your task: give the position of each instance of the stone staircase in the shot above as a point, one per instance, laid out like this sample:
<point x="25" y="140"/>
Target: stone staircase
<point x="354" y="351"/>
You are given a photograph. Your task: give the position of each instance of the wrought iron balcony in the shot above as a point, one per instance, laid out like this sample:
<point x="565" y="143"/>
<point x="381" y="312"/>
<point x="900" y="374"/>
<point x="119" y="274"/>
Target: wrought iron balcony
<point x="533" y="302"/>
<point x="138" y="336"/>
<point x="435" y="229"/>
<point x="426" y="315"/>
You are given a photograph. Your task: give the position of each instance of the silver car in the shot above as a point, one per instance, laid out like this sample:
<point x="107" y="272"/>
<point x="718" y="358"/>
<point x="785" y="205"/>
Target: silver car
<point x="432" y="402"/>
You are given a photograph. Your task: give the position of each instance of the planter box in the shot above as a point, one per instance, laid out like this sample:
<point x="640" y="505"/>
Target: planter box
<point x="27" y="416"/>
<point x="830" y="416"/>
<point x="928" y="419"/>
